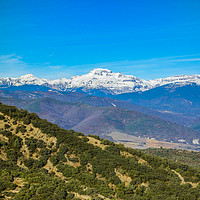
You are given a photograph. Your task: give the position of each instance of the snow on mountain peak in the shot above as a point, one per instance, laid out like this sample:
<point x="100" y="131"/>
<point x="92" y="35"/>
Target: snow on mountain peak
<point x="100" y="71"/>
<point x="104" y="78"/>
<point x="27" y="76"/>
<point x="28" y="79"/>
<point x="178" y="80"/>
<point x="100" y="78"/>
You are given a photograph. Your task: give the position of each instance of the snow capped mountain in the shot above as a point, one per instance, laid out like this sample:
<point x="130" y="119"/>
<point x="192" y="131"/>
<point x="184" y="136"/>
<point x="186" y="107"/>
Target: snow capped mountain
<point x="104" y="78"/>
<point x="180" y="80"/>
<point x="27" y="79"/>
<point x="115" y="83"/>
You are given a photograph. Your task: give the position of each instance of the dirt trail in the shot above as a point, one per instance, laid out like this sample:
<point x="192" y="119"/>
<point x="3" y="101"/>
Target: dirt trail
<point x="49" y="166"/>
<point x="96" y="142"/>
<point x="84" y="197"/>
<point x="183" y="181"/>
<point x="123" y="177"/>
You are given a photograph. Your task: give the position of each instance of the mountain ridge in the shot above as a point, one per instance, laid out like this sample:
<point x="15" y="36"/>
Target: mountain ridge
<point x="99" y="78"/>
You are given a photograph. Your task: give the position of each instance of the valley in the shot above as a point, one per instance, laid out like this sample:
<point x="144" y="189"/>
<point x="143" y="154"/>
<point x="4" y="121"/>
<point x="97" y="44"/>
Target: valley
<point x="145" y="143"/>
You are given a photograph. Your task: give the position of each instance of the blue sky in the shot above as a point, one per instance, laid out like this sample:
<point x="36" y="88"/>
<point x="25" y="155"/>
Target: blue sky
<point x="62" y="38"/>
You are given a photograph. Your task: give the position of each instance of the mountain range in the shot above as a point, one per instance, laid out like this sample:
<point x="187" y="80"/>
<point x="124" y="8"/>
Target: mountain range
<point x="107" y="103"/>
<point x="101" y="79"/>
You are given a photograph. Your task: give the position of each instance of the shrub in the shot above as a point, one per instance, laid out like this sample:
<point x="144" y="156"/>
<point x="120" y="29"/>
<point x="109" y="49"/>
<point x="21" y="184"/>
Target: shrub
<point x="2" y="117"/>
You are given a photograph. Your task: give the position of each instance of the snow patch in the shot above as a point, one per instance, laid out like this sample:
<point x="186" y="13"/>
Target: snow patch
<point x="195" y="141"/>
<point x="113" y="104"/>
<point x="181" y="140"/>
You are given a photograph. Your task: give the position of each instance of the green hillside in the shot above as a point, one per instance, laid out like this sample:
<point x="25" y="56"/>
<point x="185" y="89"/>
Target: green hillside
<point x="39" y="160"/>
<point x="191" y="158"/>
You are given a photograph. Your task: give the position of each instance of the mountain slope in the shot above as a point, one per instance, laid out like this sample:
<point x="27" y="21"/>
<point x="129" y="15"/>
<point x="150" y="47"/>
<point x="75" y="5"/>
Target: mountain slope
<point x="105" y="120"/>
<point x="39" y="160"/>
<point x="170" y="98"/>
<point x="195" y="124"/>
<point x="190" y="158"/>
<point x="26" y="93"/>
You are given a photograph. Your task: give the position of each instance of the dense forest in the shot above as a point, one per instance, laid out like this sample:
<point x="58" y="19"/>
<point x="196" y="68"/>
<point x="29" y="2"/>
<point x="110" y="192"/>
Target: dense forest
<point x="40" y="160"/>
<point x="191" y="158"/>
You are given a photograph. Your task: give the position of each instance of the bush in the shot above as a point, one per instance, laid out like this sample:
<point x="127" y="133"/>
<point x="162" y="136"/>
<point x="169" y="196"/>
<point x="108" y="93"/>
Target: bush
<point x="70" y="196"/>
<point x="54" y="160"/>
<point x="74" y="159"/>
<point x="2" y="117"/>
<point x="7" y="126"/>
<point x="94" y="136"/>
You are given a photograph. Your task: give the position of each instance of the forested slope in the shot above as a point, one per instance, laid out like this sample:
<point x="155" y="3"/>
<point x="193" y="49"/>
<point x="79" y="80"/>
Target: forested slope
<point x="40" y="160"/>
<point x="191" y="158"/>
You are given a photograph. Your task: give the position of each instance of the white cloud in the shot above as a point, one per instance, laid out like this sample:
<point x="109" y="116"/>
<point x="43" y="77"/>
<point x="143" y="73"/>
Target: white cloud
<point x="10" y="59"/>
<point x="186" y="60"/>
<point x="12" y="65"/>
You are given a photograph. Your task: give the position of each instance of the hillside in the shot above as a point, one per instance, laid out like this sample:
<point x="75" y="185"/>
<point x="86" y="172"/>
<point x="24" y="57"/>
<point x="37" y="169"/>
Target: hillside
<point x="191" y="158"/>
<point x="104" y="120"/>
<point x="184" y="100"/>
<point x="39" y="160"/>
<point x="195" y="124"/>
<point x="37" y="92"/>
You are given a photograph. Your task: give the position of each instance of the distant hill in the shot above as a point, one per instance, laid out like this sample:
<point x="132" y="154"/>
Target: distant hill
<point x="195" y="124"/>
<point x="184" y="100"/>
<point x="40" y="160"/>
<point x="26" y="93"/>
<point x="105" y="120"/>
